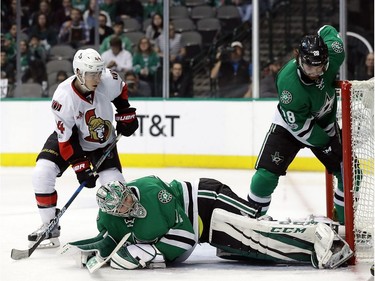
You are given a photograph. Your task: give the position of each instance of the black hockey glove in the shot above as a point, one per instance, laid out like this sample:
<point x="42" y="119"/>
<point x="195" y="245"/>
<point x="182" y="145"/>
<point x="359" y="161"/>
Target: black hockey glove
<point x="84" y="173"/>
<point x="127" y="122"/>
<point x="334" y="148"/>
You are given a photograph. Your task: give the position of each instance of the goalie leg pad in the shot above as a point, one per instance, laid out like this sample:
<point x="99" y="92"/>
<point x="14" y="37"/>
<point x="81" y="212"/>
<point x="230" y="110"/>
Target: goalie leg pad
<point x="262" y="239"/>
<point x="330" y="250"/>
<point x="137" y="256"/>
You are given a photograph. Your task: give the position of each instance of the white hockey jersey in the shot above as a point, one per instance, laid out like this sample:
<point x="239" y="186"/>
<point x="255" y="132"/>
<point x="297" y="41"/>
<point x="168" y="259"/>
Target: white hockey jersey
<point x="92" y="116"/>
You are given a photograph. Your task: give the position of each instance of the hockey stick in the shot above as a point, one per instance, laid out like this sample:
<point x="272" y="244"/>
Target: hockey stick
<point x="21" y="254"/>
<point x="96" y="262"/>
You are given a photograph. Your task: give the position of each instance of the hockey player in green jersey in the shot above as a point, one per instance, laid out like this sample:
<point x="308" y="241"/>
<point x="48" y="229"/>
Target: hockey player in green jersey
<point x="305" y="117"/>
<point x="163" y="222"/>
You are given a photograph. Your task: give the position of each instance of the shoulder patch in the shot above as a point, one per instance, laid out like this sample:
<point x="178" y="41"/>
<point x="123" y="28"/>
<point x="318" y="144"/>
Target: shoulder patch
<point x="56" y="105"/>
<point x="286" y="97"/>
<point x="164" y="196"/>
<point x="337" y="47"/>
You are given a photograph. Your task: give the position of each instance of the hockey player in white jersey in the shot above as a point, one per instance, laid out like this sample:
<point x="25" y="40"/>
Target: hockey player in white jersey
<point x="83" y="112"/>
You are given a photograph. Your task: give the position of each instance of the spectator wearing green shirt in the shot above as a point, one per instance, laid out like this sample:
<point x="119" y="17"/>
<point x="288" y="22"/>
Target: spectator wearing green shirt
<point x="118" y="29"/>
<point x="152" y="7"/>
<point x="145" y="62"/>
<point x="110" y="7"/>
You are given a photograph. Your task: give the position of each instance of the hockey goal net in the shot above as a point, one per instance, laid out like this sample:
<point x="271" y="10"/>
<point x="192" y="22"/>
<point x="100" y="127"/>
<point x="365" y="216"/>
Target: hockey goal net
<point x="356" y="118"/>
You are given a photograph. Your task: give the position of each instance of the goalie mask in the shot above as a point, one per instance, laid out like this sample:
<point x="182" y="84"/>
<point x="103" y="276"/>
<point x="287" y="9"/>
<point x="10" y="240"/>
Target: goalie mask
<point x="117" y="199"/>
<point x="313" y="56"/>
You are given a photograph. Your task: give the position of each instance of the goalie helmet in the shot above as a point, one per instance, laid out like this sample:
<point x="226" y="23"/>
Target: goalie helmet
<point x="87" y="60"/>
<point x="113" y="198"/>
<point x="312" y="52"/>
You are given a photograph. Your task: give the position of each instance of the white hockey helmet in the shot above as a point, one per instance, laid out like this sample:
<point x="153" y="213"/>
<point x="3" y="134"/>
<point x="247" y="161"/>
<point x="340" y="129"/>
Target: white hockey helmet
<point x="87" y="60"/>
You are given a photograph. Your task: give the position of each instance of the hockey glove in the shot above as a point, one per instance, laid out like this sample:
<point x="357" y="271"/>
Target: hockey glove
<point x="84" y="173"/>
<point x="127" y="122"/>
<point x="334" y="148"/>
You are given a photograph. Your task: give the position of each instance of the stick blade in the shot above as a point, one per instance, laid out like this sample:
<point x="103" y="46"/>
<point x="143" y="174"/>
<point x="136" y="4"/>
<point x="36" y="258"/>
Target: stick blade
<point x="19" y="254"/>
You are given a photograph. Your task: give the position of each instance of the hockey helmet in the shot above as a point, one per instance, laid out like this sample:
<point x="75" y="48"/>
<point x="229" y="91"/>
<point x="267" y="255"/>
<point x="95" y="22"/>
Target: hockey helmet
<point x="313" y="55"/>
<point x="313" y="51"/>
<point x="87" y="60"/>
<point x="112" y="199"/>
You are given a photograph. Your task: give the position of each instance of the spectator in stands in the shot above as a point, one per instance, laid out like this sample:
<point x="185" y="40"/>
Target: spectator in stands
<point x="44" y="31"/>
<point x="116" y="58"/>
<point x="11" y="16"/>
<point x="23" y="48"/>
<point x="176" y="51"/>
<point x="267" y="84"/>
<point x="35" y="73"/>
<point x="152" y="7"/>
<point x="118" y="31"/>
<point x="89" y="16"/>
<point x="9" y="44"/>
<point x="63" y="13"/>
<point x="180" y="82"/>
<point x="8" y="69"/>
<point x="103" y="29"/>
<point x="74" y="31"/>
<point x="81" y="5"/>
<point x="37" y="50"/>
<point x="44" y="8"/>
<point x="61" y="76"/>
<point x="155" y="28"/>
<point x="146" y="62"/>
<point x="136" y="87"/>
<point x="129" y="9"/>
<point x="245" y="8"/>
<point x="231" y="72"/>
<point x="109" y="6"/>
<point x="11" y="35"/>
<point x="367" y="71"/>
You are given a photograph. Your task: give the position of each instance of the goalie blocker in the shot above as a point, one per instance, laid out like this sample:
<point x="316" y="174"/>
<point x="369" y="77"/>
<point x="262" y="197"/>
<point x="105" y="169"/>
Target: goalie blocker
<point x="308" y="241"/>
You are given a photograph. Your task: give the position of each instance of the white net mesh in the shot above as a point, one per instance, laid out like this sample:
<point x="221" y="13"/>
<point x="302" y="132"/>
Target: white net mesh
<point x="362" y="137"/>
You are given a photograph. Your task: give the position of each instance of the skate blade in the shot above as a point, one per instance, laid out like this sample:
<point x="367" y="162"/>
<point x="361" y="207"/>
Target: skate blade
<point x="47" y="243"/>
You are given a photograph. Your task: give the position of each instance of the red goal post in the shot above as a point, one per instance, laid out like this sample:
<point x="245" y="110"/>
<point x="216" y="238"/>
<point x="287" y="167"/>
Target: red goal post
<point x="356" y="117"/>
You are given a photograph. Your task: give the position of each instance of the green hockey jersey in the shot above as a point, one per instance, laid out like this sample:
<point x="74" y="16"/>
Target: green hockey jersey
<point x="308" y="110"/>
<point x="166" y="225"/>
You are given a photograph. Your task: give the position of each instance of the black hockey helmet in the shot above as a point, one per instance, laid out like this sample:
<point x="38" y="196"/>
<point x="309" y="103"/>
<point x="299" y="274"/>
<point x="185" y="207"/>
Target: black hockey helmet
<point x="313" y="51"/>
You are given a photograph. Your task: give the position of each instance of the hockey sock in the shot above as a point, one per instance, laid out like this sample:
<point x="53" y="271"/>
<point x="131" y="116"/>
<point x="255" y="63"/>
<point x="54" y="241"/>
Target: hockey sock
<point x="339" y="199"/>
<point x="43" y="180"/>
<point x="262" y="185"/>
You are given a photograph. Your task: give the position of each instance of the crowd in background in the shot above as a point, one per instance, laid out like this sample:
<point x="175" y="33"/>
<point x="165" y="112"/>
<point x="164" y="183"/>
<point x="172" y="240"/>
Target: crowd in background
<point x="47" y="23"/>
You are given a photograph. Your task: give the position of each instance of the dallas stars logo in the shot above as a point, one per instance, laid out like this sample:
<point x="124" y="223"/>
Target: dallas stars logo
<point x="326" y="107"/>
<point x="164" y="196"/>
<point x="286" y="97"/>
<point x="277" y="158"/>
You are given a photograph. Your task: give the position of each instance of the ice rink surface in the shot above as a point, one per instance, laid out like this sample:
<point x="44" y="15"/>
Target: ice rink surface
<point x="298" y="195"/>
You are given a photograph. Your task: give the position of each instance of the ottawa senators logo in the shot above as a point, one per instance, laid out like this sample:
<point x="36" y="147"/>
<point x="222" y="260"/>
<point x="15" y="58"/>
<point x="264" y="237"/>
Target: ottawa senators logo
<point x="99" y="129"/>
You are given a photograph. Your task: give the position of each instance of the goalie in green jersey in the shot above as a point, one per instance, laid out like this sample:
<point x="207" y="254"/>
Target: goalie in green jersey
<point x="148" y="223"/>
<point x="305" y="117"/>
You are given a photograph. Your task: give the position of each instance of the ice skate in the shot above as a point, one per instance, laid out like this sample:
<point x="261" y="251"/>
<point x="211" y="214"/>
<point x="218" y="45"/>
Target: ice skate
<point x="52" y="239"/>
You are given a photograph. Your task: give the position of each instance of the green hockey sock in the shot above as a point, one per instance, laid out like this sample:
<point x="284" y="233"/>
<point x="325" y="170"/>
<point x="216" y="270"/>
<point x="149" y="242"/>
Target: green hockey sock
<point x="263" y="183"/>
<point x="340" y="214"/>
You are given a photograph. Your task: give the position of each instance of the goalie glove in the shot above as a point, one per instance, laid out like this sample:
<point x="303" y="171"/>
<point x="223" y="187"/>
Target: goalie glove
<point x="330" y="250"/>
<point x="138" y="256"/>
<point x="83" y="250"/>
